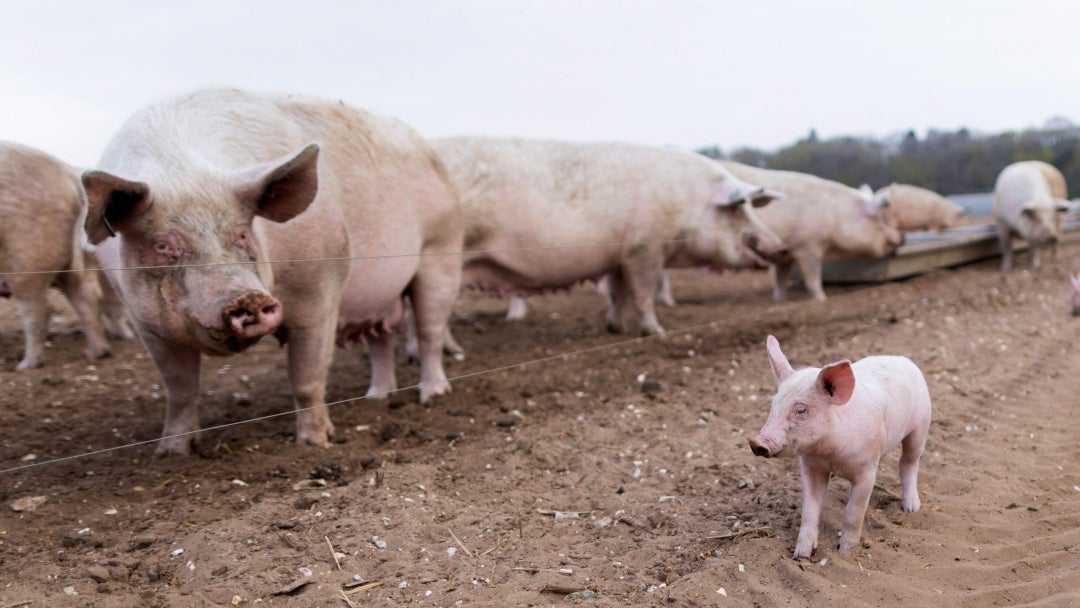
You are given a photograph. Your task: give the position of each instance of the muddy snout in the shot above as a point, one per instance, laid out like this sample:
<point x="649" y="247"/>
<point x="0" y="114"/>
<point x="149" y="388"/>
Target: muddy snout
<point x="759" y="449"/>
<point x="252" y="315"/>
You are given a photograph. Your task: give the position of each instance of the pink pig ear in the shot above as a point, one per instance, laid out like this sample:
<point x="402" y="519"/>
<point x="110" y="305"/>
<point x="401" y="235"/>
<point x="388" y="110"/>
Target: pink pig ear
<point x="1075" y="280"/>
<point x="781" y="369"/>
<point x="837" y="382"/>
<point x="283" y="189"/>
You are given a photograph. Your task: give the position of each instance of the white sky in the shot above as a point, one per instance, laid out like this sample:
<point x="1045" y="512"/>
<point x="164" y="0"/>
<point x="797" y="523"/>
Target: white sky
<point x="679" y="72"/>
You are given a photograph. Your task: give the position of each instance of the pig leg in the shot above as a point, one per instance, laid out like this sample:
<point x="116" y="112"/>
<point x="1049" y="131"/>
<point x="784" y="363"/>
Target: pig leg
<point x="381" y="354"/>
<point x="809" y="263"/>
<point x="642" y="274"/>
<point x="412" y="344"/>
<point x="433" y="292"/>
<point x="81" y="290"/>
<point x="663" y="292"/>
<point x="117" y="325"/>
<point x="815" y="481"/>
<point x="1005" y="239"/>
<point x="310" y="352"/>
<point x="912" y="449"/>
<point x="778" y="274"/>
<point x="855" y="511"/>
<point x="618" y="294"/>
<point x="1034" y="255"/>
<point x="34" y="312"/>
<point x="517" y="309"/>
<point x="179" y="369"/>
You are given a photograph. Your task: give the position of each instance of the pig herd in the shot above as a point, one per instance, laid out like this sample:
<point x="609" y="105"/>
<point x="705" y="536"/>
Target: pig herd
<point x="224" y="216"/>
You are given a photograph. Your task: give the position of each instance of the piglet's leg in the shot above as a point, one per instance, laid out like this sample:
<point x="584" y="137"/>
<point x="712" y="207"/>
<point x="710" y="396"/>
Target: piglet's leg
<point x="855" y="510"/>
<point x="310" y="352"/>
<point x="179" y="368"/>
<point x="814" y="483"/>
<point x="913" y="446"/>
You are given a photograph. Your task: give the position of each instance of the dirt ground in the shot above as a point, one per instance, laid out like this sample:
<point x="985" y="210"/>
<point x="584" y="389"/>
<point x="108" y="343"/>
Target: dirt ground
<point x="614" y="466"/>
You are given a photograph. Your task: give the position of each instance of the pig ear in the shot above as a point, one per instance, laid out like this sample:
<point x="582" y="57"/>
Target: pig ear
<point x="1075" y="280"/>
<point x="112" y="202"/>
<point x="837" y="382"/>
<point x="781" y="369"/>
<point x="764" y="196"/>
<point x="281" y="190"/>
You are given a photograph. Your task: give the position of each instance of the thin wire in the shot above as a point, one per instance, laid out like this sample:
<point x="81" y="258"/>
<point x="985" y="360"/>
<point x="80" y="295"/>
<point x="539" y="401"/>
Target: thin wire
<point x="358" y="257"/>
<point x="412" y="387"/>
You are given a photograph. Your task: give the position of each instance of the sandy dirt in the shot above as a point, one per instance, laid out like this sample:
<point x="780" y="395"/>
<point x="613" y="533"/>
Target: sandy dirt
<point x="611" y="465"/>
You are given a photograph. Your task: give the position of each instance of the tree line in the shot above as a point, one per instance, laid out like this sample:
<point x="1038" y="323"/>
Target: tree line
<point x="948" y="162"/>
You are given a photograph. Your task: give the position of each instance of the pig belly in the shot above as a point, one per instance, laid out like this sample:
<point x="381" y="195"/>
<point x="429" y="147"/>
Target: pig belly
<point x="371" y="299"/>
<point x="358" y="323"/>
<point x="539" y="276"/>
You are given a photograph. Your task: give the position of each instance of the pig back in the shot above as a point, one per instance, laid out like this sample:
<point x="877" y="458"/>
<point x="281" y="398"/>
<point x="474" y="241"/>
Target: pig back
<point x="385" y="187"/>
<point x="40" y="203"/>
<point x="895" y="389"/>
<point x="526" y="200"/>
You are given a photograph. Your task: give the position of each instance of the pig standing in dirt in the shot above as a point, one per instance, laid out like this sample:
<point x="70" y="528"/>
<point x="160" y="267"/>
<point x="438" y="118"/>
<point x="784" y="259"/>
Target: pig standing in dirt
<point x="199" y="202"/>
<point x="1029" y="200"/>
<point x="841" y="419"/>
<point x="544" y="215"/>
<point x="41" y="207"/>
<point x="819" y="220"/>
<point x="912" y="208"/>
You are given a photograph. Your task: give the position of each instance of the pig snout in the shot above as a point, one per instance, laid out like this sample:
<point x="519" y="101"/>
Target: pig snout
<point x="758" y="447"/>
<point x="761" y="250"/>
<point x="252" y="315"/>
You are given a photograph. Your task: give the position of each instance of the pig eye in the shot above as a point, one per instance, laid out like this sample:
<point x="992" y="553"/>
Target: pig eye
<point x="161" y="247"/>
<point x="800" y="410"/>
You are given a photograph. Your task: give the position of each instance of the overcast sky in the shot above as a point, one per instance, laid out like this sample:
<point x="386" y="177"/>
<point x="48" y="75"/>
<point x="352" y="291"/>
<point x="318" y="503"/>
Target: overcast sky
<point x="666" y="72"/>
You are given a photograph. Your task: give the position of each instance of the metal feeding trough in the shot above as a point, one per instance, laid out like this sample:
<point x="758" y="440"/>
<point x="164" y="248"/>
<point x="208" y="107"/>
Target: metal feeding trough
<point x="927" y="251"/>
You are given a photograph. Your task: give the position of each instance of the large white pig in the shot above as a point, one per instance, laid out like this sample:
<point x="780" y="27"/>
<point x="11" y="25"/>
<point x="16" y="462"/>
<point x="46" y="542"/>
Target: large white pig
<point x="544" y="215"/>
<point x="223" y="216"/>
<point x="819" y="220"/>
<point x="1029" y="200"/>
<point x="41" y="207"/>
<point x="840" y="420"/>
<point x="912" y="208"/>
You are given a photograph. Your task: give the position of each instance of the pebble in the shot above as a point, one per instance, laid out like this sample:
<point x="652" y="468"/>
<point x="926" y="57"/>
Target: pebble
<point x="27" y="503"/>
<point x="98" y="574"/>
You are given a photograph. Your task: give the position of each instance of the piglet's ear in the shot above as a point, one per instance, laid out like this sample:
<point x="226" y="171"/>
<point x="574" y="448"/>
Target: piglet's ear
<point x="781" y="369"/>
<point x="1075" y="280"/>
<point x="283" y="189"/>
<point x="837" y="382"/>
<point x="112" y="202"/>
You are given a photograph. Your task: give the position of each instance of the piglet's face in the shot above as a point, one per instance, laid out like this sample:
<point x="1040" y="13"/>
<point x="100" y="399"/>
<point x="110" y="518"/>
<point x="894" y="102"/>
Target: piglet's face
<point x="803" y="407"/>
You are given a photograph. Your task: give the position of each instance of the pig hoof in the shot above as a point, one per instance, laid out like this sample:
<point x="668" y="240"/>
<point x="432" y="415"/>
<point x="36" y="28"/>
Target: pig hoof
<point x="614" y="328"/>
<point x="30" y="363"/>
<point x="316" y="438"/>
<point x="432" y="389"/>
<point x="178" y="446"/>
<point x="97" y="353"/>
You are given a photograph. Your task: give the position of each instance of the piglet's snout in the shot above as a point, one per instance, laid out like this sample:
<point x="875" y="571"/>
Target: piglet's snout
<point x="252" y="315"/>
<point x="759" y="449"/>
